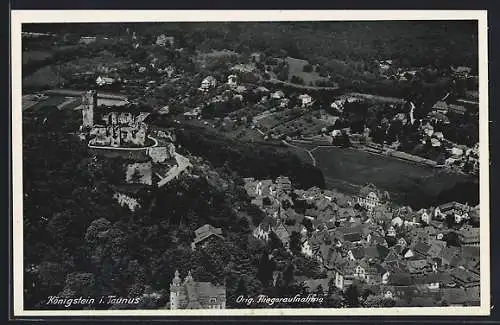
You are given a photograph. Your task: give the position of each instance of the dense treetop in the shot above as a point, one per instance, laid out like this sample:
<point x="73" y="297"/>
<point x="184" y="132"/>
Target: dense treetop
<point x="414" y="43"/>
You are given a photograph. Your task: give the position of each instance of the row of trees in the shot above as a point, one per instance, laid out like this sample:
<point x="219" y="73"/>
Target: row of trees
<point x="414" y="43"/>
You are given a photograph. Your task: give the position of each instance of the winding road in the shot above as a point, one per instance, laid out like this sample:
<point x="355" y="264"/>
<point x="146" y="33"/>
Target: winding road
<point x="182" y="164"/>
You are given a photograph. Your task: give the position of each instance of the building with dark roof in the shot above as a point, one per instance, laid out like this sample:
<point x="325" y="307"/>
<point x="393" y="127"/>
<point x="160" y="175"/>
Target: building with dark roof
<point x="204" y="234"/>
<point x="454" y="208"/>
<point x="454" y="296"/>
<point x="369" y="197"/>
<point x="473" y="296"/>
<point x="356" y="253"/>
<point x="392" y="255"/>
<point x="465" y="278"/>
<point x="448" y="254"/>
<point x="190" y="294"/>
<point x="417" y="266"/>
<point x="422" y="248"/>
<point x="283" y="184"/>
<point x="282" y="233"/>
<point x="469" y="236"/>
<point x="354" y="237"/>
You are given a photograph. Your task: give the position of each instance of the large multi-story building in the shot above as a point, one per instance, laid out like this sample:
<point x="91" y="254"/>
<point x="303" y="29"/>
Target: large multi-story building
<point x="205" y="234"/>
<point x="370" y="201"/>
<point x="191" y="294"/>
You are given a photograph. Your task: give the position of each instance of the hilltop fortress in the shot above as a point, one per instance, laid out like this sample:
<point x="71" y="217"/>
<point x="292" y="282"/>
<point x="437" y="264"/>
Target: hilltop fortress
<point x="108" y="127"/>
<point x="121" y="131"/>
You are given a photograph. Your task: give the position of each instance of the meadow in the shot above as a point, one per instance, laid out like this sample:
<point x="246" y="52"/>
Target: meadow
<point x="296" y="69"/>
<point x="43" y="78"/>
<point x="33" y="56"/>
<point x="407" y="183"/>
<point x="51" y="101"/>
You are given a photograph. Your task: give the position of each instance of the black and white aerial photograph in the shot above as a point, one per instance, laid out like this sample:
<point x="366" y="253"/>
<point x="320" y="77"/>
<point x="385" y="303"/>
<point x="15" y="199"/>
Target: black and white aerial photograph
<point x="251" y="165"/>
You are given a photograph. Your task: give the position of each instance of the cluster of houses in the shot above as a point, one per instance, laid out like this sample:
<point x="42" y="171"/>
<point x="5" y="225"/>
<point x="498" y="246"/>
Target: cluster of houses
<point x="458" y="156"/>
<point x="462" y="156"/>
<point x="280" y="100"/>
<point x="429" y="136"/>
<point x="234" y="83"/>
<point x="387" y="70"/>
<point x="442" y="107"/>
<point x="366" y="240"/>
<point x="396" y="253"/>
<point x="165" y="40"/>
<point x="338" y="105"/>
<point x="106" y="81"/>
<point x="399" y="253"/>
<point x="132" y="75"/>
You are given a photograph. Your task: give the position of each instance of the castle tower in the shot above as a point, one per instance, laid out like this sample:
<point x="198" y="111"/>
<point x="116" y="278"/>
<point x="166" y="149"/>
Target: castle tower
<point x="175" y="289"/>
<point x="89" y="103"/>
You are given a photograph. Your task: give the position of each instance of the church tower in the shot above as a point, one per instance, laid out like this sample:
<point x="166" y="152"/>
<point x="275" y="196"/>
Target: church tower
<point x="189" y="282"/>
<point x="175" y="289"/>
<point x="89" y="103"/>
<point x="192" y="295"/>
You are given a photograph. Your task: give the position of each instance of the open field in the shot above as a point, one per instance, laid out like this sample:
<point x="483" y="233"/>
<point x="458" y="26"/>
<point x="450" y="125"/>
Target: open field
<point x="56" y="74"/>
<point x="216" y="54"/>
<point x="269" y="121"/>
<point x="51" y="101"/>
<point x="289" y="85"/>
<point x="278" y="118"/>
<point x="376" y="98"/>
<point x="307" y="125"/>
<point x="205" y="59"/>
<point x="419" y="186"/>
<point x="296" y="69"/>
<point x="46" y="77"/>
<point x="103" y="59"/>
<point x="103" y="98"/>
<point x="28" y="101"/>
<point x="32" y="56"/>
<point x="78" y="93"/>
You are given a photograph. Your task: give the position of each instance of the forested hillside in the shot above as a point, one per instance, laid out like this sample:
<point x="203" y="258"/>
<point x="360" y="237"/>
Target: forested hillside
<point x="80" y="242"/>
<point x="412" y="43"/>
